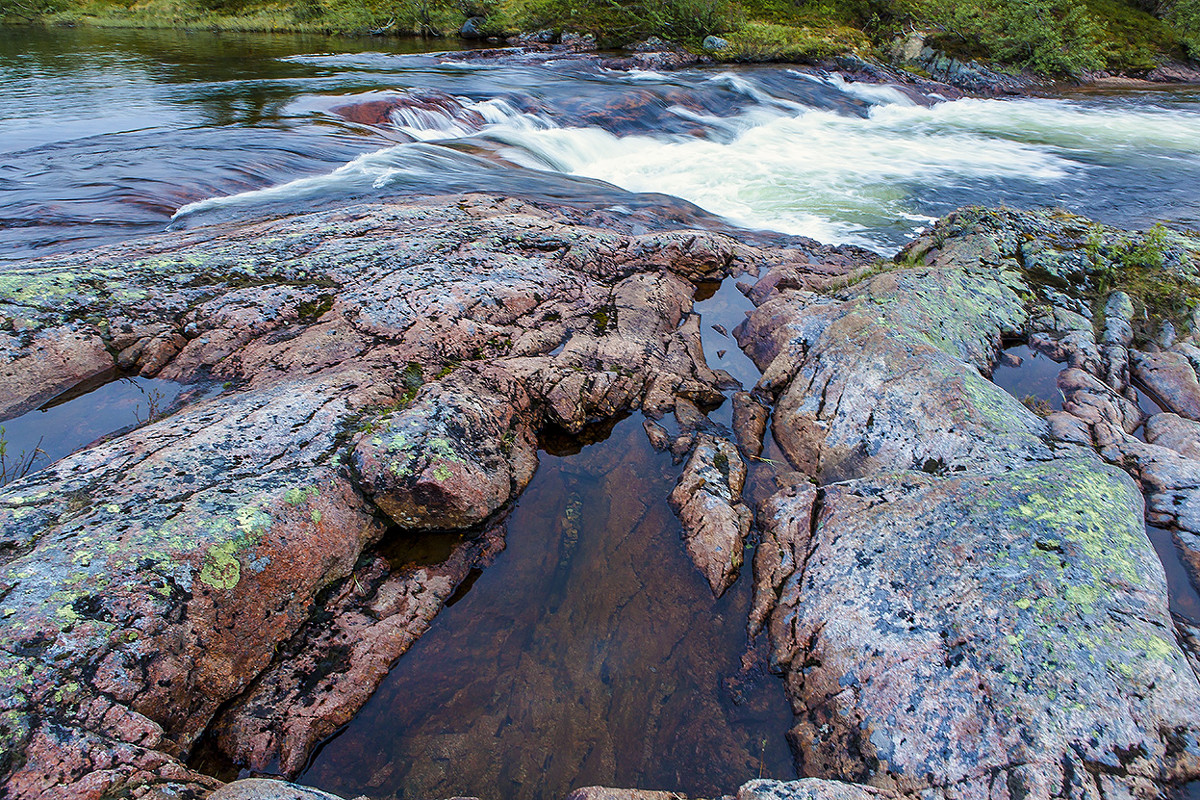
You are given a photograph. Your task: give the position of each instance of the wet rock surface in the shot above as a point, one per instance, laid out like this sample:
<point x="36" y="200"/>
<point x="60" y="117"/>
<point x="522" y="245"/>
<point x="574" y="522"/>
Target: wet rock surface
<point x="261" y="789"/>
<point x="805" y="789"/>
<point x="708" y="501"/>
<point x="385" y="364"/>
<point x="1171" y="379"/>
<point x="325" y="674"/>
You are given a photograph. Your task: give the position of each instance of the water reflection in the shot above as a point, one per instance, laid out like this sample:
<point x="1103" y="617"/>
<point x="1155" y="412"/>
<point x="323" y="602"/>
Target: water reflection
<point x="591" y="652"/>
<point x="1031" y="377"/>
<point x="1181" y="590"/>
<point x="82" y="416"/>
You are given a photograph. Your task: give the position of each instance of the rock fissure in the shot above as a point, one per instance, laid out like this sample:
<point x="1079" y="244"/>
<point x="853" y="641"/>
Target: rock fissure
<point x="275" y="487"/>
<point x="876" y="684"/>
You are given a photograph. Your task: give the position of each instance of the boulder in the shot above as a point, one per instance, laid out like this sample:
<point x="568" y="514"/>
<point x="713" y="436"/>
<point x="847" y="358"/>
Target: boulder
<point x="888" y="377"/>
<point x="472" y="28"/>
<point x="808" y="789"/>
<point x="1173" y="431"/>
<point x="708" y="501"/>
<point x="263" y="789"/>
<point x="975" y="631"/>
<point x="1170" y="378"/>
<point x="966" y="605"/>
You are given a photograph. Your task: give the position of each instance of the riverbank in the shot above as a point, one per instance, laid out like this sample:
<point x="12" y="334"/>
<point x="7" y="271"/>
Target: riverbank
<point x="449" y="469"/>
<point x="1067" y="37"/>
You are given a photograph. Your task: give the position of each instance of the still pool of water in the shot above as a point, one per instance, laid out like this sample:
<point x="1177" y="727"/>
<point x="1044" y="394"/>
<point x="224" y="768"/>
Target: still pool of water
<point x="93" y="410"/>
<point x="590" y="653"/>
<point x="1031" y="377"/>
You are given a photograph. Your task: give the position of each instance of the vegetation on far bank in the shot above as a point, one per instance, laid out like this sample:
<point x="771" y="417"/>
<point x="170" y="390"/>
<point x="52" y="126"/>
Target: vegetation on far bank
<point x="1050" y="37"/>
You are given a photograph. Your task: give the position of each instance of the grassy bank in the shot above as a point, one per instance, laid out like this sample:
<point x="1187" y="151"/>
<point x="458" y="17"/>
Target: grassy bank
<point x="1050" y="37"/>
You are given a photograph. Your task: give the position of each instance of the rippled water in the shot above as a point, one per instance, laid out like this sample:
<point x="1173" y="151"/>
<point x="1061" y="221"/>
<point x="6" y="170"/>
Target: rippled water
<point x="592" y="651"/>
<point x="106" y="135"/>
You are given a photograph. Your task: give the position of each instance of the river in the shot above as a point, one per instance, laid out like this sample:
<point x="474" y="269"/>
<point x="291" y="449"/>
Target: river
<point x="566" y="662"/>
<point x="106" y="135"/>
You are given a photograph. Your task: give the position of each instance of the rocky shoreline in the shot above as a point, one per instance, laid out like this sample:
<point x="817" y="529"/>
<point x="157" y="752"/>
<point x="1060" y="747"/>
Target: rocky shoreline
<point x="958" y="590"/>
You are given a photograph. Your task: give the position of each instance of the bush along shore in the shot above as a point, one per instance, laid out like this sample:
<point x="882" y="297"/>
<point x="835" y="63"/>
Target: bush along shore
<point x="1049" y="38"/>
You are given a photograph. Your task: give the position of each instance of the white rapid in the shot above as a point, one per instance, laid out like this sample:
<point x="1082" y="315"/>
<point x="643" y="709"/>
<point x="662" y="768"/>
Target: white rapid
<point x="870" y="167"/>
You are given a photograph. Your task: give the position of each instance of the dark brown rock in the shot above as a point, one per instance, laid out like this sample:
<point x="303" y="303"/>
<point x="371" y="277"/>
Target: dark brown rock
<point x="424" y="109"/>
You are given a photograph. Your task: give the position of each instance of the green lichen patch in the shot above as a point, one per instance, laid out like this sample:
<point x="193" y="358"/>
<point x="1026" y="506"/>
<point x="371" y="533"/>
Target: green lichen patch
<point x="299" y="495"/>
<point x="221" y="569"/>
<point x="1055" y="250"/>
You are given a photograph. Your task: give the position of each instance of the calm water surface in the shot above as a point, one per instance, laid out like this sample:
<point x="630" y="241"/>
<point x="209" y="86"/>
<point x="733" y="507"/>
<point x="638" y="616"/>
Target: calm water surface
<point x="591" y="653"/>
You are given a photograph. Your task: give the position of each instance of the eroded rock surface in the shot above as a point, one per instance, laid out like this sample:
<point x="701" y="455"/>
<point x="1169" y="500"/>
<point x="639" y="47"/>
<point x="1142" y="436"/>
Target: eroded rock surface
<point x="384" y="360"/>
<point x="966" y="605"/>
<point x="334" y="664"/>
<point x="708" y="500"/>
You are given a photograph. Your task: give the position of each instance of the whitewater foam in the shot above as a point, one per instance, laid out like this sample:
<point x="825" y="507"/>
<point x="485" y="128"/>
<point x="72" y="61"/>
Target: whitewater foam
<point x="780" y="165"/>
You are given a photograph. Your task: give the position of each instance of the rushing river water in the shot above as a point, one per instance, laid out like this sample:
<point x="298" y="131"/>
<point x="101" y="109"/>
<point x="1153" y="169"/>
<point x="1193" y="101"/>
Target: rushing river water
<point x="591" y="651"/>
<point x="106" y="135"/>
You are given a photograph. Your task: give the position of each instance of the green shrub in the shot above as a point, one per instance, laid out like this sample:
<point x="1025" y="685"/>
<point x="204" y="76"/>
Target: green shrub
<point x="610" y="22"/>
<point x="1136" y="39"/>
<point x="766" y="41"/>
<point x="30" y="10"/>
<point x="1184" y="17"/>
<point x="1047" y="36"/>
<point x="619" y="23"/>
<point x="684" y="20"/>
